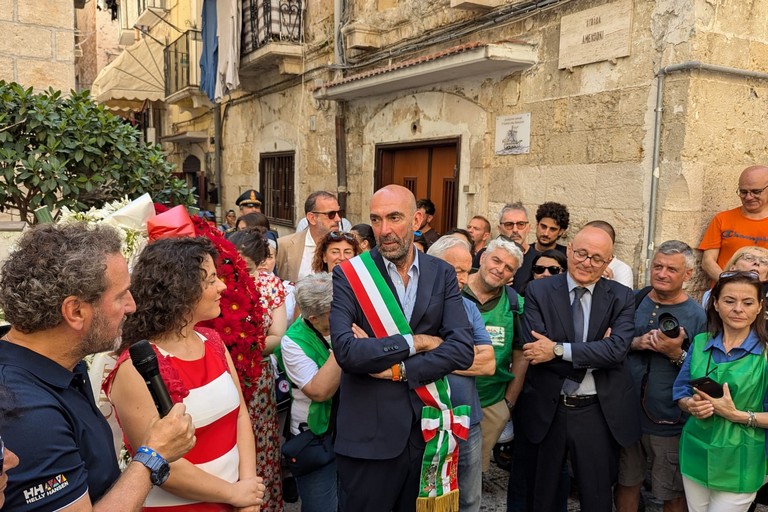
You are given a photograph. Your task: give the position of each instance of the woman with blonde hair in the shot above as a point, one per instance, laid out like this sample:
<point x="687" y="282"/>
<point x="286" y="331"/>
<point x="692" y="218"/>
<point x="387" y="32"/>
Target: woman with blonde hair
<point x="751" y="257"/>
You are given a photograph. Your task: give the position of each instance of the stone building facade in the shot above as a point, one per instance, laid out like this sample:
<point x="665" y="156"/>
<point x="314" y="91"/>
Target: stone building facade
<point x="38" y="47"/>
<point x="640" y="112"/>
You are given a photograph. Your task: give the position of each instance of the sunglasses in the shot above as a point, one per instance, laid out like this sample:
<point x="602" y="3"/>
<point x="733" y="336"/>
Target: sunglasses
<point x="331" y="214"/>
<point x="749" y="274"/>
<point x="520" y="224"/>
<point x="539" y="269"/>
<point x="336" y="236"/>
<point x="2" y="455"/>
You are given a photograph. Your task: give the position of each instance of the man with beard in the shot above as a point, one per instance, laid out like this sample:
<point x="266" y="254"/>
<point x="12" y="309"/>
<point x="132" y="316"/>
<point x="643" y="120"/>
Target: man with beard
<point x="515" y="226"/>
<point x="552" y="221"/>
<point x="65" y="293"/>
<point x="379" y="441"/>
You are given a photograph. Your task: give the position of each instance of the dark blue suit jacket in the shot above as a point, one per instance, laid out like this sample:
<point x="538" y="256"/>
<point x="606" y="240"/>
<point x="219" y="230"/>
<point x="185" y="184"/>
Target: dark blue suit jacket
<point x="548" y="311"/>
<point x="376" y="416"/>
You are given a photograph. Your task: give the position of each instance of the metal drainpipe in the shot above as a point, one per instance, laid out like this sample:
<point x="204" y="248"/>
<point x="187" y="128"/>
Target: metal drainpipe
<point x="217" y="150"/>
<point x="694" y="64"/>
<point x="341" y="120"/>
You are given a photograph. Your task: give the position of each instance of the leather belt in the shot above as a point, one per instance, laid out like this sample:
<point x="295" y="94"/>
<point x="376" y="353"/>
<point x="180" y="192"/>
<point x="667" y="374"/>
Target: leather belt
<point x="578" y="400"/>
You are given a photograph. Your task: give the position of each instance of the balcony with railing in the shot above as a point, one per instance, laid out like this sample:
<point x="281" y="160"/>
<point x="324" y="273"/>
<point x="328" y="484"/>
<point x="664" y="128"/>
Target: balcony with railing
<point x="272" y="36"/>
<point x="144" y="13"/>
<point x="182" y="70"/>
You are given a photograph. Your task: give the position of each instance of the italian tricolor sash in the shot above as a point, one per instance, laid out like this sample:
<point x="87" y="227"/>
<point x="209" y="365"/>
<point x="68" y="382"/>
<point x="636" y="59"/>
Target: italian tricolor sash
<point x="441" y="423"/>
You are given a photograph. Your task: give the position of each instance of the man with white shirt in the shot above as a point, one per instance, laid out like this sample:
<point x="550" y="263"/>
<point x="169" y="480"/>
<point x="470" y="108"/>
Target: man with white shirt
<point x="295" y="251"/>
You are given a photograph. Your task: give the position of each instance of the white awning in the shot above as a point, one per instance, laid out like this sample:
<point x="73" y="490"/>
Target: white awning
<point x="467" y="60"/>
<point x="135" y="76"/>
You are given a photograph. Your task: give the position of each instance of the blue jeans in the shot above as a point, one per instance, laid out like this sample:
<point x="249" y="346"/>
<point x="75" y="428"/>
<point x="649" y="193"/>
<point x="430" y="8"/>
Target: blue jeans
<point x="319" y="490"/>
<point x="471" y="470"/>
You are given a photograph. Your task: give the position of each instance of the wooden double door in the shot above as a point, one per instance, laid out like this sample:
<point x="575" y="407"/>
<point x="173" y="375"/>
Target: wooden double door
<point x="429" y="170"/>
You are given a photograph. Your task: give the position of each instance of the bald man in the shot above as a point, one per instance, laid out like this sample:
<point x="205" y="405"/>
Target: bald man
<point x="740" y="227"/>
<point x="577" y="398"/>
<point x="379" y="442"/>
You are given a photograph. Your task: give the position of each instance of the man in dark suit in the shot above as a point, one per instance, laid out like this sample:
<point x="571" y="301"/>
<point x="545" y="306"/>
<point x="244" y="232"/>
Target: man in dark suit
<point x="577" y="398"/>
<point x="379" y="443"/>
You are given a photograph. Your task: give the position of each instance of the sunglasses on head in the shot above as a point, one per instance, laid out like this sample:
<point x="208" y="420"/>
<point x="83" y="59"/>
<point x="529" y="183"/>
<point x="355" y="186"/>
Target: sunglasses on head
<point x="749" y="274"/>
<point x="331" y="214"/>
<point x="338" y="235"/>
<point x="539" y="269"/>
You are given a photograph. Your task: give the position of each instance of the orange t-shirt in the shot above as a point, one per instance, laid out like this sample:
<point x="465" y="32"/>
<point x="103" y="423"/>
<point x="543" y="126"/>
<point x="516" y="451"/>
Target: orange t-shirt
<point x="729" y="231"/>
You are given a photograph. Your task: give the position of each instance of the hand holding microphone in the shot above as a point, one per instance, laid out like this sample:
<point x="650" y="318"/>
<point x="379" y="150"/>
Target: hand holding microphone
<point x="172" y="435"/>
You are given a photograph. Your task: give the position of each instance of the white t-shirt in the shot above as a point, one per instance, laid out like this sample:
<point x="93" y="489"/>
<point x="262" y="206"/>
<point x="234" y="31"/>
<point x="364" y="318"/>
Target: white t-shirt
<point x="301" y="370"/>
<point x="622" y="273"/>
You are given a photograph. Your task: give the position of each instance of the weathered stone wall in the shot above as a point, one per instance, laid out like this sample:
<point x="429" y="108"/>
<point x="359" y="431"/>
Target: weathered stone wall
<point x="97" y="37"/>
<point x="38" y="43"/>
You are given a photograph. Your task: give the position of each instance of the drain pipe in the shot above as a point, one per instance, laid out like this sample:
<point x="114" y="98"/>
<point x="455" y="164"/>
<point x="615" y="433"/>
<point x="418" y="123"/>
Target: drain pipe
<point x="217" y="131"/>
<point x="685" y="66"/>
<point x="341" y="119"/>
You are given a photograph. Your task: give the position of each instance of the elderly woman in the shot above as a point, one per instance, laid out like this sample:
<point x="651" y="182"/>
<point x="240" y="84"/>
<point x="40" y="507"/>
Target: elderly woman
<point x="747" y="258"/>
<point x="258" y="254"/>
<point x="333" y="248"/>
<point x="723" y="385"/>
<point x="311" y="366"/>
<point x="175" y="286"/>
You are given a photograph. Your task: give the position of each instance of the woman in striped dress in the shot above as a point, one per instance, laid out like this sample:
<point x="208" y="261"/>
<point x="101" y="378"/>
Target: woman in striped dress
<point x="175" y="286"/>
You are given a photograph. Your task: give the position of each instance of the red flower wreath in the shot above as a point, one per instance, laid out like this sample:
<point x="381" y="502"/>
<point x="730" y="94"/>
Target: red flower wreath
<point x="241" y="322"/>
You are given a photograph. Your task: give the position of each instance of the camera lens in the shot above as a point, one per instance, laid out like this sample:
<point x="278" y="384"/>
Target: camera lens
<point x="669" y="325"/>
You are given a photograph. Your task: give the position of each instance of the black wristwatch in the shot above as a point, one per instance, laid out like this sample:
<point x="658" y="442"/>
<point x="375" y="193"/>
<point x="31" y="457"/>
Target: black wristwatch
<point x="159" y="469"/>
<point x="558" y="350"/>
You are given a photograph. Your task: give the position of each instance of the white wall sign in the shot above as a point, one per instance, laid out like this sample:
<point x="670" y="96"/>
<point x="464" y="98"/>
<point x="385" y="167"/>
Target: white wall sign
<point x="513" y="134"/>
<point x="597" y="34"/>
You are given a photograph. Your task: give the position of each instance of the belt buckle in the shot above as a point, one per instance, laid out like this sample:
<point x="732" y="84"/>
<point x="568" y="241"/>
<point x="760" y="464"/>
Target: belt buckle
<point x="565" y="401"/>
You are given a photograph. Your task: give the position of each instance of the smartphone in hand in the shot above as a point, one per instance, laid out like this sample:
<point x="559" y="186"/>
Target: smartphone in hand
<point x="708" y="386"/>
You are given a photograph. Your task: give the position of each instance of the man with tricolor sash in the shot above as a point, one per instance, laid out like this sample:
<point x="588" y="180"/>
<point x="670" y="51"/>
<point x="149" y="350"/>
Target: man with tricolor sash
<point x="398" y="327"/>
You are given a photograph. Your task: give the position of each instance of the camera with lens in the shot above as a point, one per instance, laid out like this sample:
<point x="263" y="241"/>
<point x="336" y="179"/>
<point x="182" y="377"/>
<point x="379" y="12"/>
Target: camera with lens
<point x="669" y="325"/>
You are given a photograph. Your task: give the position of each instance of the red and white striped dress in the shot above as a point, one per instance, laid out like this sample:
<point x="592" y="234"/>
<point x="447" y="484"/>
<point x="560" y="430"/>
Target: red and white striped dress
<point x="213" y="402"/>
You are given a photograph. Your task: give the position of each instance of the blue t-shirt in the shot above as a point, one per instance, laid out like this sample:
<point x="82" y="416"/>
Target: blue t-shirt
<point x="63" y="442"/>
<point x="657" y="404"/>
<point x="463" y="388"/>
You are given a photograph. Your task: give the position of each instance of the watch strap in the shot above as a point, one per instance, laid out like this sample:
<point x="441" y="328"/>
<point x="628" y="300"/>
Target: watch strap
<point x="159" y="468"/>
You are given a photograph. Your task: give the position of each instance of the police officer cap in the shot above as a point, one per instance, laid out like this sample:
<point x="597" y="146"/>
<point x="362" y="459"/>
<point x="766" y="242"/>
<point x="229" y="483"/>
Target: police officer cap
<point x="250" y="198"/>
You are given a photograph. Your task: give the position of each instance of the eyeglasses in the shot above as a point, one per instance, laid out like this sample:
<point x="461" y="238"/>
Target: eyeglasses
<point x="754" y="192"/>
<point x="581" y="255"/>
<point x="748" y="274"/>
<point x="539" y="269"/>
<point x="337" y="236"/>
<point x="751" y="258"/>
<point x="2" y="455"/>
<point x="520" y="224"/>
<point x="331" y="214"/>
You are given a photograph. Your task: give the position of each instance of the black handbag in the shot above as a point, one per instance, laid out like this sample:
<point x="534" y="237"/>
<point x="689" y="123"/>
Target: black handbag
<point x="307" y="452"/>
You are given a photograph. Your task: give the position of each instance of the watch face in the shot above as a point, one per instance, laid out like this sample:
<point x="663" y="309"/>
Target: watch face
<point x="559" y="350"/>
<point x="160" y="475"/>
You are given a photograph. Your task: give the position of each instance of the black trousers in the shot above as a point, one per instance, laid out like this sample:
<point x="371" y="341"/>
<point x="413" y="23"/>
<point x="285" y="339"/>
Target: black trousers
<point x="582" y="434"/>
<point x="383" y="485"/>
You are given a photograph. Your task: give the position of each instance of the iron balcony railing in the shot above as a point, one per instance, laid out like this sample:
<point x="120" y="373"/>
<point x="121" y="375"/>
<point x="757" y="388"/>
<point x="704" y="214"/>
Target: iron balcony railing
<point x="265" y="21"/>
<point x="182" y="62"/>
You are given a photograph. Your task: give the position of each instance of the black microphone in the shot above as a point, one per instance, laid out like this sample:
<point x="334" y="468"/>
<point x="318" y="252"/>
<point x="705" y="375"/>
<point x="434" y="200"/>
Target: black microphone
<point x="145" y="361"/>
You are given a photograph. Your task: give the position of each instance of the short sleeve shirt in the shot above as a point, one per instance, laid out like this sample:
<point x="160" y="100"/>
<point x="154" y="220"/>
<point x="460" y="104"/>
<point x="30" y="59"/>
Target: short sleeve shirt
<point x="729" y="231"/>
<point x="63" y="442"/>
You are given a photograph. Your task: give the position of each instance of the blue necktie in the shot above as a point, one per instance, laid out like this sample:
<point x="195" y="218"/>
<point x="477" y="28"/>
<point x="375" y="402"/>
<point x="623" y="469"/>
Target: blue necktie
<point x="577" y="312"/>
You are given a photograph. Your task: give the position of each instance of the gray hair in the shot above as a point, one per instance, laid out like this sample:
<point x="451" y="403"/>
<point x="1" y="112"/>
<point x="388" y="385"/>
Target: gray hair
<point x="672" y="247"/>
<point x="446" y="243"/>
<point x="509" y="247"/>
<point x="517" y="205"/>
<point x="312" y="198"/>
<point x="314" y="294"/>
<point x="53" y="262"/>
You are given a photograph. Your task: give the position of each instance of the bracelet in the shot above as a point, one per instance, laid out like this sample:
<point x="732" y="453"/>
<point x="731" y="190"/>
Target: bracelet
<point x="751" y="420"/>
<point x="396" y="373"/>
<point x="403" y="378"/>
